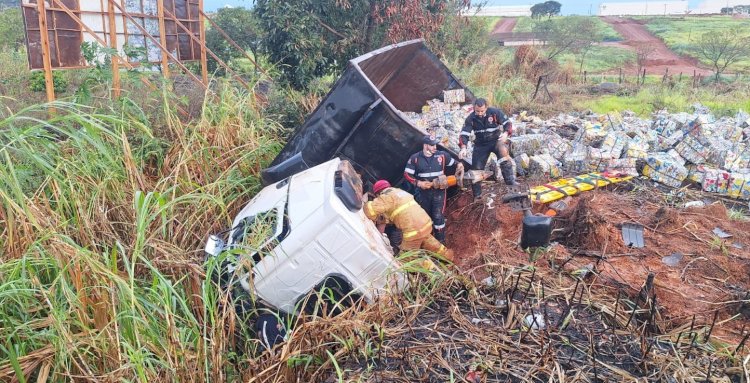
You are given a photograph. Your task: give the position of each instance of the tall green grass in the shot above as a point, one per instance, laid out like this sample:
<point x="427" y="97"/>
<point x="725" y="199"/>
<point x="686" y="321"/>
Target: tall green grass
<point x="680" y="98"/>
<point x="103" y="218"/>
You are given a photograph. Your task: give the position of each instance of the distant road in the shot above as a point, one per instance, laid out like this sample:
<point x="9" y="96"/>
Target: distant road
<point x="505" y="25"/>
<point x="635" y="34"/>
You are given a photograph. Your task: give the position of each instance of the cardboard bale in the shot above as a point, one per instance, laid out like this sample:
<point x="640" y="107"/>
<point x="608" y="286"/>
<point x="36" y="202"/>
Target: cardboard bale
<point x="739" y="184"/>
<point x="614" y="143"/>
<point x="624" y="166"/>
<point x="454" y="96"/>
<point x="575" y="161"/>
<point x="544" y="164"/>
<point x="696" y="173"/>
<point x="715" y="180"/>
<point x="637" y="147"/>
<point x="738" y="158"/>
<point x="692" y="149"/>
<point x="556" y="146"/>
<point x="591" y="134"/>
<point x="676" y="156"/>
<point x="522" y="160"/>
<point x="663" y="168"/>
<point x="530" y="144"/>
<point x="667" y="142"/>
<point x="597" y="159"/>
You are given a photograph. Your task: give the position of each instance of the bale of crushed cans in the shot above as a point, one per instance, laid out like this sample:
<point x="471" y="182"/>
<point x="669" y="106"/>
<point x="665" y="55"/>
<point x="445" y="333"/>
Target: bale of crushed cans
<point x="669" y="148"/>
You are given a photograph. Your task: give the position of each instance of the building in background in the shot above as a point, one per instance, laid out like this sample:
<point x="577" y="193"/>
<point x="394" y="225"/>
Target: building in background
<point x="715" y="6"/>
<point x="502" y="10"/>
<point x="644" y="8"/>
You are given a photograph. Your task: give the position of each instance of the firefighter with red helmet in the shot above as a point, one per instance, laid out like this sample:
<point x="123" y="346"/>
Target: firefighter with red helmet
<point x="400" y="209"/>
<point x="422" y="168"/>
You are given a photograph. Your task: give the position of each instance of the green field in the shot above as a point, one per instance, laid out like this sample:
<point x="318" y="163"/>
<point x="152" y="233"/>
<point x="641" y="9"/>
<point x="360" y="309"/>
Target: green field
<point x="599" y="59"/>
<point x="681" y="34"/>
<point x="526" y="24"/>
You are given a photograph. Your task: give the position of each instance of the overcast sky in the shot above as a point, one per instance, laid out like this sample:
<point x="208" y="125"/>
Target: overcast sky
<point x="580" y="7"/>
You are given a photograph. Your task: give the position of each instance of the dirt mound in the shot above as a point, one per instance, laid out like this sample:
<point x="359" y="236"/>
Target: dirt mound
<point x="705" y="275"/>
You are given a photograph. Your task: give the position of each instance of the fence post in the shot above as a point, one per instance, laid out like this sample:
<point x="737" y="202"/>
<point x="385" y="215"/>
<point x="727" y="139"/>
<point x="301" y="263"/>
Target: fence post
<point x="643" y="77"/>
<point x="620" y="78"/>
<point x="584" y="77"/>
<point x="680" y="80"/>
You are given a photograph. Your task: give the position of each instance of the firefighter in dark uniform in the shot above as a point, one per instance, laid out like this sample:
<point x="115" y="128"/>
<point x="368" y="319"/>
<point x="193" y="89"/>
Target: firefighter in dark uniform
<point x="491" y="129"/>
<point x="421" y="169"/>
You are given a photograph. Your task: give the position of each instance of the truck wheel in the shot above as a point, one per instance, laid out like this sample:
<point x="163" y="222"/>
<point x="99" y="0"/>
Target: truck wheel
<point x="335" y="292"/>
<point x="270" y="330"/>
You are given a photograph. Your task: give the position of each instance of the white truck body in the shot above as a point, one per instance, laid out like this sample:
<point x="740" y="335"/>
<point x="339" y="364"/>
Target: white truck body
<point x="314" y="235"/>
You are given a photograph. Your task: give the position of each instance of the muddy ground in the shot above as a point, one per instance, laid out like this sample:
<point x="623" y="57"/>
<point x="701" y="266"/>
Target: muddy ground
<point x="708" y="282"/>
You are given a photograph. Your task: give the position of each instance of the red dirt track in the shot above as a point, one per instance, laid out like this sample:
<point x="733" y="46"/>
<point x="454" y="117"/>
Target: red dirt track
<point x="662" y="58"/>
<point x="505" y="25"/>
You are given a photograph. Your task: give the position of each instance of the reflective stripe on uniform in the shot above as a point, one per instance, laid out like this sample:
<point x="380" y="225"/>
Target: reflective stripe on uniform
<point x="410" y="171"/>
<point x="465" y="133"/>
<point x="506" y="122"/>
<point x="431" y="174"/>
<point x="438" y="227"/>
<point x="486" y="130"/>
<point x="368" y="209"/>
<point x="412" y="233"/>
<point x="401" y="208"/>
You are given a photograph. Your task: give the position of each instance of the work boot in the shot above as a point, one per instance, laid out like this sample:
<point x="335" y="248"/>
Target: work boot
<point x="506" y="169"/>
<point x="476" y="189"/>
<point x="440" y="235"/>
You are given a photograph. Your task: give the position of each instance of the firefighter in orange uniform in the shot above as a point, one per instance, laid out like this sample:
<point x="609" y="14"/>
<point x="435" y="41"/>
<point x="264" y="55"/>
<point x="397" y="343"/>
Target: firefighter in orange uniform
<point x="404" y="212"/>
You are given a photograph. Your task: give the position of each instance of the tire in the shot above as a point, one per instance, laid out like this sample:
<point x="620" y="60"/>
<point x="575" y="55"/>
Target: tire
<point x="269" y="330"/>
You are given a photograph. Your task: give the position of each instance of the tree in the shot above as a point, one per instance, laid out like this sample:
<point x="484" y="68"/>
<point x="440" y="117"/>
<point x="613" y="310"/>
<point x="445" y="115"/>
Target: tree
<point x="240" y="25"/>
<point x="588" y="36"/>
<point x="643" y="52"/>
<point x="538" y="10"/>
<point x="11" y="29"/>
<point x="571" y="34"/>
<point x="553" y="8"/>
<point x="547" y="8"/>
<point x="310" y="38"/>
<point x="722" y="49"/>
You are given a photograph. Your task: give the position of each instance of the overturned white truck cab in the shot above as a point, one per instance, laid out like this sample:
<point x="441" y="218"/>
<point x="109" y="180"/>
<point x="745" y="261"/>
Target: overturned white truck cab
<point x="305" y="233"/>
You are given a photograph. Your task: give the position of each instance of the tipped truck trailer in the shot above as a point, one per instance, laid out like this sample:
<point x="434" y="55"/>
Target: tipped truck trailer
<point x="360" y="120"/>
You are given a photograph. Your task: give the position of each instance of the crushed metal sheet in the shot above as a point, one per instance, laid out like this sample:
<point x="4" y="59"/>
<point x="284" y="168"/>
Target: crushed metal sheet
<point x="721" y="233"/>
<point x="632" y="234"/>
<point x="672" y="260"/>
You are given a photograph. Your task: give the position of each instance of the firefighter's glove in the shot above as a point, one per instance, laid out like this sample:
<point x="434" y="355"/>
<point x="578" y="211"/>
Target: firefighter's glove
<point x="424" y="184"/>
<point x="441" y="182"/>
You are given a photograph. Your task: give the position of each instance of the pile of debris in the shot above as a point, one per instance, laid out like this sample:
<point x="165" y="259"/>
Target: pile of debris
<point x="669" y="148"/>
